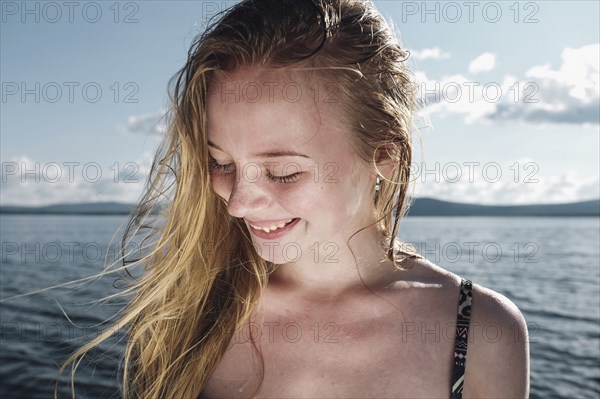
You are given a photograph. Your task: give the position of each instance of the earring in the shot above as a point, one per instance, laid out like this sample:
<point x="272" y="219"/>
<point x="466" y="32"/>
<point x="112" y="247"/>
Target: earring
<point x="377" y="184"/>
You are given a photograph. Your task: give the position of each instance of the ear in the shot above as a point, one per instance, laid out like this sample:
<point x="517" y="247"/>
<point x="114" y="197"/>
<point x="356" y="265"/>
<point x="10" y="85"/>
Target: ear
<point x="386" y="160"/>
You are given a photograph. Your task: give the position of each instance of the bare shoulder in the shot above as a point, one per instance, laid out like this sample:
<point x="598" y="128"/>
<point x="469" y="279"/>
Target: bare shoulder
<point x="498" y="350"/>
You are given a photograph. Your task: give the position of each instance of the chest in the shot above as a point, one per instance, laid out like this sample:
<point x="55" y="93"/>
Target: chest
<point x="315" y="357"/>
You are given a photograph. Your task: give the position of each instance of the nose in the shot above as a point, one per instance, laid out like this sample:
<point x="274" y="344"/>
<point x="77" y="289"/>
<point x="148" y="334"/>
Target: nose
<point x="247" y="197"/>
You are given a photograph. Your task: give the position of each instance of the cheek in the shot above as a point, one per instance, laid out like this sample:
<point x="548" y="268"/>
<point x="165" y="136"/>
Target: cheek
<point x="323" y="202"/>
<point x="347" y="199"/>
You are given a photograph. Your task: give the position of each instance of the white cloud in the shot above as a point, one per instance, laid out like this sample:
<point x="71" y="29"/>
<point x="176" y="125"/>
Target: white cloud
<point x="484" y="63"/>
<point x="567" y="95"/>
<point x="459" y="94"/>
<point x="480" y="183"/>
<point x="429" y="53"/>
<point x="28" y="182"/>
<point x="151" y="122"/>
<point x="578" y="72"/>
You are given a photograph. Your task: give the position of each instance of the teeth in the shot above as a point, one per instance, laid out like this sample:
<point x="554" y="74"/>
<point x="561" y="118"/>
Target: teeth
<point x="273" y="227"/>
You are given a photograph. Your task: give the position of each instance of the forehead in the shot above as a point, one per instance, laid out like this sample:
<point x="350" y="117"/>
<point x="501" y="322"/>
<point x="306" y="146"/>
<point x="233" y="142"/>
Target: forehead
<point x="254" y="108"/>
<point x="257" y="85"/>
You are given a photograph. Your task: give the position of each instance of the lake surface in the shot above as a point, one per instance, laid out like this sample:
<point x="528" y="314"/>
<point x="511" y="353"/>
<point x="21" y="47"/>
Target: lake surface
<point x="549" y="267"/>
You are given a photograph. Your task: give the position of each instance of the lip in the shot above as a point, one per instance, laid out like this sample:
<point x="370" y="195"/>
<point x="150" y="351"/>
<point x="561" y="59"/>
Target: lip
<point x="276" y="233"/>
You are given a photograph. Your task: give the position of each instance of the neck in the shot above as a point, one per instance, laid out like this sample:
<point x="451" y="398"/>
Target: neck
<point x="330" y="271"/>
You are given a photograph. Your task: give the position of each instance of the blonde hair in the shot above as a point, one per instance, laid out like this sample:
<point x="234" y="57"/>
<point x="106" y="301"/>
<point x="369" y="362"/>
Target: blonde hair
<point x="202" y="275"/>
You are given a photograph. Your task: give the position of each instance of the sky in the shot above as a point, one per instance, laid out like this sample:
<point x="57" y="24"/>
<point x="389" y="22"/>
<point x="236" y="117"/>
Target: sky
<point x="510" y="96"/>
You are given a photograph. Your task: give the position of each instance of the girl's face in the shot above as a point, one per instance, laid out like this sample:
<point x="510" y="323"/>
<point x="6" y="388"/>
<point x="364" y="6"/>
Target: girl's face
<point x="279" y="156"/>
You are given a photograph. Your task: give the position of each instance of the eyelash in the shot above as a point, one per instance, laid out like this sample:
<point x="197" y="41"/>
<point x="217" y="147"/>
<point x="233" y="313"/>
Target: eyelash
<point x="213" y="164"/>
<point x="283" y="179"/>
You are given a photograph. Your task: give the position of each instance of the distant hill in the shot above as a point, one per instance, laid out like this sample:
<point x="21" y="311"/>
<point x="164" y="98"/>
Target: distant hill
<point x="90" y="208"/>
<point x="433" y="207"/>
<point x="420" y="207"/>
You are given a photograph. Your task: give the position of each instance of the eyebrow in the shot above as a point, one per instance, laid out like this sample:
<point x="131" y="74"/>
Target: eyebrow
<point x="270" y="153"/>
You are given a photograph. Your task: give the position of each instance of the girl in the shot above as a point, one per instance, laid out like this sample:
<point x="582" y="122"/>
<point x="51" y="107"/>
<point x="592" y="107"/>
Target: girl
<point x="282" y="182"/>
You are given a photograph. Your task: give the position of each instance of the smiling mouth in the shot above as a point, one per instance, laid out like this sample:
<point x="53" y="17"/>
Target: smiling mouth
<point x="274" y="227"/>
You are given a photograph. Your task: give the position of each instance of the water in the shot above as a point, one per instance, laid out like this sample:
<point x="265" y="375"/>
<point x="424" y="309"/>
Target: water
<point x="548" y="266"/>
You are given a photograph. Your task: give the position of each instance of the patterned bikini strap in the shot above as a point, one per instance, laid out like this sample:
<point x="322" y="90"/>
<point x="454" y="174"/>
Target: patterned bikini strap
<point x="462" y="338"/>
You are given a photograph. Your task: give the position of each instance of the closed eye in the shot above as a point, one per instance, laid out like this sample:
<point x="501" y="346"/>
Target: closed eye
<point x="284" y="179"/>
<point x="214" y="165"/>
<point x="230" y="167"/>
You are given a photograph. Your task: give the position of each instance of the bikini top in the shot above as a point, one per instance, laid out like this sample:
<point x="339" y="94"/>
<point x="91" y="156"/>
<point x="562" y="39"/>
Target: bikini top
<point x="462" y="338"/>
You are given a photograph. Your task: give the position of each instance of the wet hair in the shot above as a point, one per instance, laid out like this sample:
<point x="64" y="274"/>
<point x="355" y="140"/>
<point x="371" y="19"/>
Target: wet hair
<point x="202" y="277"/>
